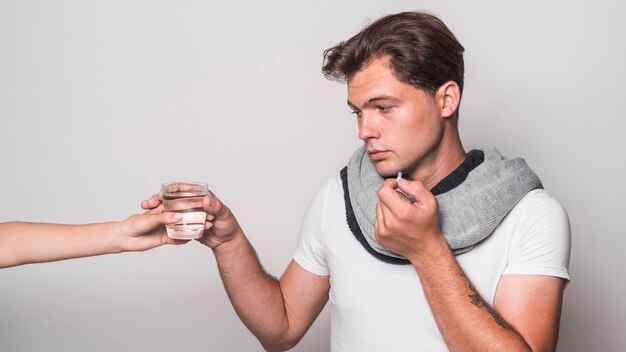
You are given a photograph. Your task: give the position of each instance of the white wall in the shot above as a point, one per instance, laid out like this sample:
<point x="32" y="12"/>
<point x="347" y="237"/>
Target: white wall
<point x="101" y="101"/>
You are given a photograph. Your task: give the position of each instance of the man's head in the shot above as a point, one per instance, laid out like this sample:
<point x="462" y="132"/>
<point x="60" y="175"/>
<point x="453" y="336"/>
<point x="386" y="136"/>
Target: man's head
<point x="422" y="51"/>
<point x="405" y="76"/>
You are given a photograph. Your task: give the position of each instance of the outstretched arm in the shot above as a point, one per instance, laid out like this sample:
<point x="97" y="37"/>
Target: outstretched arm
<point x="277" y="312"/>
<point x="27" y="242"/>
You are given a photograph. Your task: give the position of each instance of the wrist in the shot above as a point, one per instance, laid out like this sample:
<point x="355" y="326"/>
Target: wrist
<point x="114" y="235"/>
<point x="432" y="253"/>
<point x="223" y="247"/>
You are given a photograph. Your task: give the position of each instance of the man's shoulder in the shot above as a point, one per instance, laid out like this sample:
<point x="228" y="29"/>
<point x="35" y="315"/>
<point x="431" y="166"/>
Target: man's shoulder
<point x="332" y="184"/>
<point x="331" y="188"/>
<point x="539" y="211"/>
<point x="540" y="201"/>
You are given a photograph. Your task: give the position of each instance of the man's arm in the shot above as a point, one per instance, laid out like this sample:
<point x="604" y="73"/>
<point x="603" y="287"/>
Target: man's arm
<point x="277" y="312"/>
<point x="532" y="305"/>
<point x="26" y="242"/>
<point x="521" y="321"/>
<point x="525" y="316"/>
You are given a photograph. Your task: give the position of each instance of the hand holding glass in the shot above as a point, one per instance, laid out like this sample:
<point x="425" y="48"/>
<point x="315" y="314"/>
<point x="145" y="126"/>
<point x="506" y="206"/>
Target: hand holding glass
<point x="185" y="198"/>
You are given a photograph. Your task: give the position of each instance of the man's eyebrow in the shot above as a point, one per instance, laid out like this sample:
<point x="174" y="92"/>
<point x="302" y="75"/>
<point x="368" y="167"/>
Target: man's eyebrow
<point x="373" y="101"/>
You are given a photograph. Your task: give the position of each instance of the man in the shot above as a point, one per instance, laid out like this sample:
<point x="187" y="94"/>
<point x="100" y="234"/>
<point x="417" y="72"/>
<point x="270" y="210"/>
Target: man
<point x="465" y="252"/>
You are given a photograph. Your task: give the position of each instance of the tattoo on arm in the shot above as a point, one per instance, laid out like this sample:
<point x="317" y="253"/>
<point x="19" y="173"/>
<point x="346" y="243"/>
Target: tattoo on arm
<point x="479" y="302"/>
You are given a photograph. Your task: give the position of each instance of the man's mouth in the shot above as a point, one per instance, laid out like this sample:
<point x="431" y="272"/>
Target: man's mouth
<point x="377" y="154"/>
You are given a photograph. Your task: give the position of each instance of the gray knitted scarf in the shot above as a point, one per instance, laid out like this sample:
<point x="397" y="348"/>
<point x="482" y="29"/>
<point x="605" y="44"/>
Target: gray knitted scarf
<point x="472" y="200"/>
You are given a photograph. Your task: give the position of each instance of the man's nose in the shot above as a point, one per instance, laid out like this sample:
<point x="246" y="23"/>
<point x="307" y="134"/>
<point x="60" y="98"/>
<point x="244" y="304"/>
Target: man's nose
<point x="367" y="127"/>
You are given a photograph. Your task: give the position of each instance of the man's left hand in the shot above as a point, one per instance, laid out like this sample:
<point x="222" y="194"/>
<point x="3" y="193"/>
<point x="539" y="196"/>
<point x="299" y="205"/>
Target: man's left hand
<point x="404" y="227"/>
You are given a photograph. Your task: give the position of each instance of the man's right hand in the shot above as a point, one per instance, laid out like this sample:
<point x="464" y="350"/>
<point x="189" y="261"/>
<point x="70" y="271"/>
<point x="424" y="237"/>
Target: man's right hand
<point x="221" y="225"/>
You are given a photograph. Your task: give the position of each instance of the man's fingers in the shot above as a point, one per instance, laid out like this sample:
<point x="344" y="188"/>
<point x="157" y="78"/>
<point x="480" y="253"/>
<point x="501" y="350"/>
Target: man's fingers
<point x="396" y="204"/>
<point x="424" y="199"/>
<point x="391" y="198"/>
<point x="418" y="194"/>
<point x="386" y="215"/>
<point x="415" y="189"/>
<point x="212" y="205"/>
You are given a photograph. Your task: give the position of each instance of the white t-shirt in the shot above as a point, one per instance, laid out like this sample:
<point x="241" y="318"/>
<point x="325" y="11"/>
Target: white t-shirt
<point x="377" y="306"/>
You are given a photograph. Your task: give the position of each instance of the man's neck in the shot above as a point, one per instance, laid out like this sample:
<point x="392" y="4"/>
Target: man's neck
<point x="440" y="164"/>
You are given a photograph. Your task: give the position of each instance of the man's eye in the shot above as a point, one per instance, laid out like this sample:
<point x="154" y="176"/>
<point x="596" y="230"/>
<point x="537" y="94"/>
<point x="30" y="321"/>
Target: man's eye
<point x="357" y="113"/>
<point x="385" y="108"/>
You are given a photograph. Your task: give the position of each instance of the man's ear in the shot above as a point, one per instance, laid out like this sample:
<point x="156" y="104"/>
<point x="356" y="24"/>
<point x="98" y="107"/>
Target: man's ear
<point x="449" y="98"/>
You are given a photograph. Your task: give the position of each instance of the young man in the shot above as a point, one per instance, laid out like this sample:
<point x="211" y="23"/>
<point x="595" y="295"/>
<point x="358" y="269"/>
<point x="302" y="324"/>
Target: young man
<point x="464" y="252"/>
<point x="27" y="242"/>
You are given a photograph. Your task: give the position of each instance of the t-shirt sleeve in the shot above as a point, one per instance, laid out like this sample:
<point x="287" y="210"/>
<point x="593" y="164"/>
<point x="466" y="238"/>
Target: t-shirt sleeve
<point x="310" y="252"/>
<point x="542" y="244"/>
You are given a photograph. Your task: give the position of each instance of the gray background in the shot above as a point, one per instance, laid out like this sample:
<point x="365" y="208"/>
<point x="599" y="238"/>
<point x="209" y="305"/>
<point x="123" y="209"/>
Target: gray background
<point x="101" y="101"/>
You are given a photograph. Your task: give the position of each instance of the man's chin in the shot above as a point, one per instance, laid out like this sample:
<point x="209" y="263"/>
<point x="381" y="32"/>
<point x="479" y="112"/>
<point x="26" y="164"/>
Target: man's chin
<point x="385" y="170"/>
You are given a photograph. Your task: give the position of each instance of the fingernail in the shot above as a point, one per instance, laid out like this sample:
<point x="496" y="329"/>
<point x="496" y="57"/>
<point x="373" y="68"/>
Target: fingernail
<point x="177" y="216"/>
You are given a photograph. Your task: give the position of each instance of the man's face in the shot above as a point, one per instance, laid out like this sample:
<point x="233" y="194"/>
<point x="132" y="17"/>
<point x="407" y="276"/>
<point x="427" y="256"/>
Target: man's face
<point x="400" y="125"/>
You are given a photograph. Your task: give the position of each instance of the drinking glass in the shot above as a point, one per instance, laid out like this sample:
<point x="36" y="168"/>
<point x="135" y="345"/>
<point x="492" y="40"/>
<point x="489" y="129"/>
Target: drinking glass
<point x="185" y="198"/>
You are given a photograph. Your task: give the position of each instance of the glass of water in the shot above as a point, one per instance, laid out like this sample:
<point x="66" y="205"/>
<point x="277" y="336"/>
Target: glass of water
<point x="185" y="198"/>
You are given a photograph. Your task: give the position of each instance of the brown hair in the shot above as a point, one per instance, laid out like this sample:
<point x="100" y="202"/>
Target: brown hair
<point x="422" y="51"/>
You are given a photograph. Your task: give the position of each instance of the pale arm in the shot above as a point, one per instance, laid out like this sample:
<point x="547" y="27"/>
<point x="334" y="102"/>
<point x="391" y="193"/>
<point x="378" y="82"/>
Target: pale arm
<point x="26" y="242"/>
